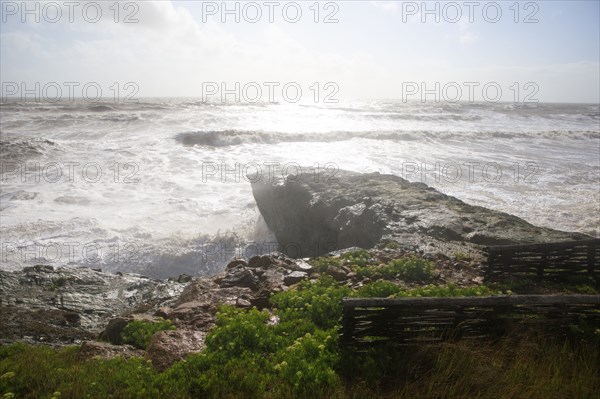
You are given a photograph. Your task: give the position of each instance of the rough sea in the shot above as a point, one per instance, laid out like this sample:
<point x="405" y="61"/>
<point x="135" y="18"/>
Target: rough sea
<point x="162" y="186"/>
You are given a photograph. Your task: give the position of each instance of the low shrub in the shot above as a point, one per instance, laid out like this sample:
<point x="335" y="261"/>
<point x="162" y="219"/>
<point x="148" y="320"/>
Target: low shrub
<point x="139" y="332"/>
<point x="359" y="257"/>
<point x="408" y="268"/>
<point x="318" y="302"/>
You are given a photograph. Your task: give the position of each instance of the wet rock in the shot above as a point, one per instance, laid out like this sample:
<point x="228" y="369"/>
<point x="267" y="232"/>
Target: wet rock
<point x="294" y="277"/>
<point x="240" y="276"/>
<point x="195" y="289"/>
<point x="113" y="330"/>
<point x="343" y="251"/>
<point x="163" y="312"/>
<point x="184" y="278"/>
<point x="219" y="277"/>
<point x="235" y="263"/>
<point x="32" y="270"/>
<point x="261" y="261"/>
<point x="200" y="310"/>
<point x="42" y="303"/>
<point x="300" y="265"/>
<point x="273" y="279"/>
<point x="168" y="347"/>
<point x="196" y="314"/>
<point x="243" y="303"/>
<point x="105" y="350"/>
<point x="319" y="215"/>
<point x="41" y="325"/>
<point x="337" y="273"/>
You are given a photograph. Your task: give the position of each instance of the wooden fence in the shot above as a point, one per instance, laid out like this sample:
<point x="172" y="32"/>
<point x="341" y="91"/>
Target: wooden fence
<point x="558" y="261"/>
<point x="427" y="320"/>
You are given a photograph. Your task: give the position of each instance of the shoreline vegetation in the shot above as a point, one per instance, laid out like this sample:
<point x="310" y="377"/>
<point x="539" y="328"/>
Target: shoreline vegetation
<point x="290" y="348"/>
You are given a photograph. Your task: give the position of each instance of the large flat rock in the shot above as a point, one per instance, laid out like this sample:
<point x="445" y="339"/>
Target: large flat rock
<point x="48" y="304"/>
<point x="314" y="213"/>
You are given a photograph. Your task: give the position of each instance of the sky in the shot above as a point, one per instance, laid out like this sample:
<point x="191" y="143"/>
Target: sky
<point x="515" y="51"/>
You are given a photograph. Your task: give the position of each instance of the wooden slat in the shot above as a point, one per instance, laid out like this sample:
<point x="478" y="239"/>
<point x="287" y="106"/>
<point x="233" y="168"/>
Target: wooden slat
<point x="497" y="300"/>
<point x="422" y="320"/>
<point x="548" y="246"/>
<point x="555" y="261"/>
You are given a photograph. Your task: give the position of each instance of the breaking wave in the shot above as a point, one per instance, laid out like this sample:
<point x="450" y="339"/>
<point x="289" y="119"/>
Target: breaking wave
<point x="19" y="149"/>
<point x="223" y="138"/>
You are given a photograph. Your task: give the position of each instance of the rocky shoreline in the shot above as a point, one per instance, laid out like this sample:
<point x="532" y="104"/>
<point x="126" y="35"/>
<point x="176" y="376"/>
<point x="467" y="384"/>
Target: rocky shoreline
<point x="309" y="217"/>
<point x="65" y="306"/>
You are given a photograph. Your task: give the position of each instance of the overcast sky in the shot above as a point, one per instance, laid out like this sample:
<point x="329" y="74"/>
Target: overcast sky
<point x="372" y="51"/>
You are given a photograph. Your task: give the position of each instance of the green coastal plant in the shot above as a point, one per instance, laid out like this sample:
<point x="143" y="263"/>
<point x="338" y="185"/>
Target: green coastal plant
<point x="408" y="268"/>
<point x="533" y="366"/>
<point x="360" y="257"/>
<point x="392" y="245"/>
<point x="318" y="302"/>
<point x="139" y="332"/>
<point x="247" y="356"/>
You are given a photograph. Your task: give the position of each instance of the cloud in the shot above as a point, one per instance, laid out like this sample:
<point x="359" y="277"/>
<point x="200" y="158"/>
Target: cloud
<point x="385" y="5"/>
<point x="466" y="36"/>
<point x="169" y="53"/>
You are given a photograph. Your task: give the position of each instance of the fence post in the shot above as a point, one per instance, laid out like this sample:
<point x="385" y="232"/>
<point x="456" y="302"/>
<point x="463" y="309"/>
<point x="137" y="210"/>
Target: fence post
<point x="488" y="262"/>
<point x="591" y="249"/>
<point x="542" y="266"/>
<point x="348" y="320"/>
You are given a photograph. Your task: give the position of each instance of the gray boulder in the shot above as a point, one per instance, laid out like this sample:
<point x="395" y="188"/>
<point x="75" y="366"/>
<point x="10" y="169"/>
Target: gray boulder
<point x="239" y="276"/>
<point x="71" y="305"/>
<point x="294" y="277"/>
<point x="312" y="215"/>
<point x="168" y="347"/>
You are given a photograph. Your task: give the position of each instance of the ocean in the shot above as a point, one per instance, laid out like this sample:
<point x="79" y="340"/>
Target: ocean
<point x="162" y="186"/>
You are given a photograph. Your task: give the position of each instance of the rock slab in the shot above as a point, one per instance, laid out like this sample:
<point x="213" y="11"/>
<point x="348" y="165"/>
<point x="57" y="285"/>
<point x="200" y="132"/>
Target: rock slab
<point x="312" y="214"/>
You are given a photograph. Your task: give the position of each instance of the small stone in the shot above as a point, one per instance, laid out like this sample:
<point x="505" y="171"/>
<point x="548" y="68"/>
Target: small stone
<point x="236" y="262"/>
<point x="294" y="277"/>
<point x="93" y="349"/>
<point x="243" y="303"/>
<point x="272" y="279"/>
<point x="300" y="265"/>
<point x="112" y="332"/>
<point x="163" y="312"/>
<point x="167" y="347"/>
<point x="337" y="273"/>
<point x="72" y="317"/>
<point x="240" y="277"/>
<point x="260" y="261"/>
<point x="184" y="278"/>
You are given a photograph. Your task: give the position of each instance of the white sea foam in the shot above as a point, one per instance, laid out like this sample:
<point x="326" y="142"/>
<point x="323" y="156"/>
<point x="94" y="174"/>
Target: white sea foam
<point x="173" y="171"/>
